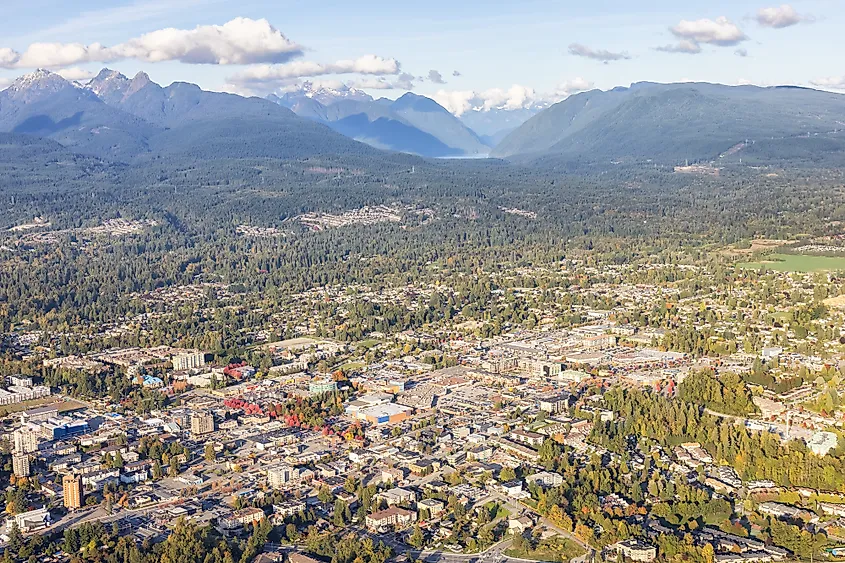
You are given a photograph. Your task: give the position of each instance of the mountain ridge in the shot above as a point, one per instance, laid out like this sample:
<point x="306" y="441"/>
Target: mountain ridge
<point x="412" y="123"/>
<point x="669" y="123"/>
<point x="123" y="119"/>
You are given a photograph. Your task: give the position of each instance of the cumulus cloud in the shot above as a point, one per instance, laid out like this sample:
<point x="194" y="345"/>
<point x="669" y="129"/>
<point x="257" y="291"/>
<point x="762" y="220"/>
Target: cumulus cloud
<point x="741" y="52"/>
<point x="830" y="83"/>
<point x="239" y="41"/>
<point x="456" y="73"/>
<point x="721" y="31"/>
<point x="602" y="55"/>
<point x="569" y="87"/>
<point x="8" y="57"/>
<point x="75" y="73"/>
<point x="436" y="77"/>
<point x="778" y="17"/>
<point x="270" y="74"/>
<point x="515" y="97"/>
<point x="404" y="81"/>
<point x="5" y="82"/>
<point x="685" y="46"/>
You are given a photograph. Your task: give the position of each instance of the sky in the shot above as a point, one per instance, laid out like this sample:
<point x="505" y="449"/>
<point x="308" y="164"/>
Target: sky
<point x="464" y="53"/>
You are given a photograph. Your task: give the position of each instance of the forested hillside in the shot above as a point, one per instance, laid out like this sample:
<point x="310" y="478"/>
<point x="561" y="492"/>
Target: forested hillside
<point x="674" y="123"/>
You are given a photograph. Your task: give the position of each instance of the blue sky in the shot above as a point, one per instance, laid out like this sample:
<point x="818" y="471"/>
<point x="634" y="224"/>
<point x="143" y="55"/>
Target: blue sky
<point x="493" y="44"/>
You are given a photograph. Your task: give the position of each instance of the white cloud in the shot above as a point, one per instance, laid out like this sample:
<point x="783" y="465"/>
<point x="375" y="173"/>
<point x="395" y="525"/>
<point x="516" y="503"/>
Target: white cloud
<point x="741" y="52"/>
<point x="52" y="55"/>
<point x="436" y="77"/>
<point x="458" y="101"/>
<point x="239" y="41"/>
<point x="830" y="83"/>
<point x="721" y="31"/>
<point x="8" y="57"/>
<point x="779" y="17"/>
<point x="270" y="74"/>
<point x="75" y="73"/>
<point x="404" y="81"/>
<point x="5" y="82"/>
<point x="685" y="46"/>
<point x="373" y="84"/>
<point x="603" y="55"/>
<point x="569" y="87"/>
<point x="515" y="97"/>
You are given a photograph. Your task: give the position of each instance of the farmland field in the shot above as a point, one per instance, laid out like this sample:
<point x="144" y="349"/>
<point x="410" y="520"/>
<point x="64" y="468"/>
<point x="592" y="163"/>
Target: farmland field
<point x="796" y="263"/>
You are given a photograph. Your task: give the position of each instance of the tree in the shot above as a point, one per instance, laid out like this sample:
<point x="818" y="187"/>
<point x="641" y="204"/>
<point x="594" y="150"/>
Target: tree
<point x="350" y="485"/>
<point x="173" y="470"/>
<point x="507" y="474"/>
<point x="325" y="495"/>
<point x="340" y="510"/>
<point x="417" y="538"/>
<point x="210" y="454"/>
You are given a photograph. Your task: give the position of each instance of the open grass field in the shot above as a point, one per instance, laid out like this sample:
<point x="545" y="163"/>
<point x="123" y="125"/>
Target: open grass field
<point x="501" y="511"/>
<point x="796" y="263"/>
<point x="553" y="549"/>
<point x="756" y="245"/>
<point x="367" y="344"/>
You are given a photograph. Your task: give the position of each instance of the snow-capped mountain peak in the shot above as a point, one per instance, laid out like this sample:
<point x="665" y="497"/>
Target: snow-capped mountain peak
<point x="113" y="87"/>
<point x="327" y="94"/>
<point x="36" y="84"/>
<point x="107" y="82"/>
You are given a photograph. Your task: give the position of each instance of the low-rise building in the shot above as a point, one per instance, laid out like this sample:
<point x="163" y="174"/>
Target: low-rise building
<point x="393" y="517"/>
<point x="554" y="403"/>
<point x="545" y="479"/>
<point x="397" y="496"/>
<point x="531" y="439"/>
<point x="242" y="518"/>
<point x="822" y="442"/>
<point x="434" y="506"/>
<point x="636" y="550"/>
<point x="29" y="521"/>
<point x="280" y="475"/>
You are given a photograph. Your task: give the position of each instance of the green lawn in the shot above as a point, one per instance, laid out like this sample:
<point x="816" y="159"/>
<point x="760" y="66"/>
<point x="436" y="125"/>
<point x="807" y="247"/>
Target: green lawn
<point x="352" y="366"/>
<point x="501" y="511"/>
<point x="796" y="263"/>
<point x="553" y="549"/>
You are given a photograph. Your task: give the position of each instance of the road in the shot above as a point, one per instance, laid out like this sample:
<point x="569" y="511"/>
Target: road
<point x="99" y="514"/>
<point x="589" y="554"/>
<point x="493" y="554"/>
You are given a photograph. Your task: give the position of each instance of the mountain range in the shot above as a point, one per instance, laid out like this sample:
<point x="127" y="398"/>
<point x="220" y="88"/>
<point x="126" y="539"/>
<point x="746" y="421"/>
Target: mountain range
<point x="673" y="123"/>
<point x="122" y="119"/>
<point x="131" y="120"/>
<point x="412" y="123"/>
